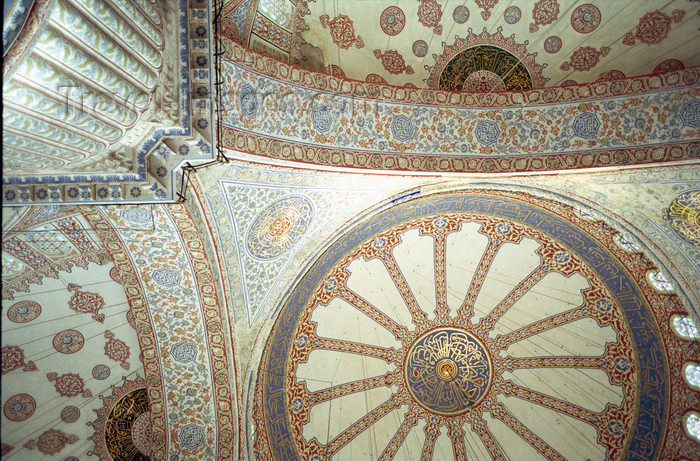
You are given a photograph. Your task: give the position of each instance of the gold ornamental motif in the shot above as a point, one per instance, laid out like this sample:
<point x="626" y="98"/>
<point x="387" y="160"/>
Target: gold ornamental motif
<point x="448" y="370"/>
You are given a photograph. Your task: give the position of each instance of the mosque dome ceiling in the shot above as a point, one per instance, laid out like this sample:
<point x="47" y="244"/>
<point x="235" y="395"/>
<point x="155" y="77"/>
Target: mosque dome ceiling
<point x="478" y="242"/>
<point x="472" y="324"/>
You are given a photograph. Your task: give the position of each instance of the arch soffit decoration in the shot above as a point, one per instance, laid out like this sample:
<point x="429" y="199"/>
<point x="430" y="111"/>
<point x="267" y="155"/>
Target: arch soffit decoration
<point x="288" y="113"/>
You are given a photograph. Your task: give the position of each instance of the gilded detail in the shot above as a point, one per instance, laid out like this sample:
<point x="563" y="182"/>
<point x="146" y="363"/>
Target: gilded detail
<point x="448" y="370"/>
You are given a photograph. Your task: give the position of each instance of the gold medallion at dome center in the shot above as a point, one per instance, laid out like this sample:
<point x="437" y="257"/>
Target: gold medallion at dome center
<point x="446" y="369"/>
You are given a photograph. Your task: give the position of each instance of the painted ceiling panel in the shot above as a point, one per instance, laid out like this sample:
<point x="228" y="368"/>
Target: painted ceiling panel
<point x="284" y="112"/>
<point x="110" y="83"/>
<point x="402" y="43"/>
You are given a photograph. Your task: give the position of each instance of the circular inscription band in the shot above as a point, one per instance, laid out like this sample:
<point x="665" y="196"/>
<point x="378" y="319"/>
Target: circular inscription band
<point x="448" y="371"/>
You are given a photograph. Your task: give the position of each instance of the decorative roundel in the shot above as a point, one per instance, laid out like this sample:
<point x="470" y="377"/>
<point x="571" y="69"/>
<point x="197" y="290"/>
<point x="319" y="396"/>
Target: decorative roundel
<point x="512" y="14"/>
<point x="24" y="311"/>
<point x="552" y="44"/>
<point x="454" y="323"/>
<point x="115" y="275"/>
<point x="420" y="48"/>
<point x="483" y="81"/>
<point x="279" y="226"/>
<point x="127" y="431"/>
<point x="569" y="82"/>
<point x="375" y="78"/>
<point x="70" y="414"/>
<point x="392" y="20"/>
<point x="503" y="65"/>
<point x="610" y="75"/>
<point x="585" y="18"/>
<point x="19" y="407"/>
<point x="130" y="319"/>
<point x="101" y="372"/>
<point x="335" y="70"/>
<point x="683" y="215"/>
<point x="461" y="14"/>
<point x="68" y="341"/>
<point x="447" y="371"/>
<point x="141" y="433"/>
<point x="668" y="66"/>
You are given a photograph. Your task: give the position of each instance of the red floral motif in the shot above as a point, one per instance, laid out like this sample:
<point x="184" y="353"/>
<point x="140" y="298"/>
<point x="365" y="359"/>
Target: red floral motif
<point x="334" y="70"/>
<point x="130" y="319"/>
<point x="668" y="66"/>
<point x="117" y="350"/>
<point x="5" y="449"/>
<point x="585" y="18"/>
<point x="116" y="275"/>
<point x="429" y="14"/>
<point x="374" y="78"/>
<point x="86" y="302"/>
<point x="585" y="58"/>
<point x="545" y="12"/>
<point x="610" y="75"/>
<point x="393" y="62"/>
<point x="342" y="31"/>
<point x="13" y="358"/>
<point x="486" y="5"/>
<point x="653" y="27"/>
<point x="69" y="385"/>
<point x="51" y="442"/>
<point x="72" y="229"/>
<point x="229" y="30"/>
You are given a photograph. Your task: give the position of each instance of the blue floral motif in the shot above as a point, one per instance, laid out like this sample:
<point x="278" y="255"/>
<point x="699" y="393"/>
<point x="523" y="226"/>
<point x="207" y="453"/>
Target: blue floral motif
<point x="191" y="436"/>
<point x="487" y="132"/>
<point x="250" y="105"/>
<point x="136" y="215"/>
<point x="586" y="125"/>
<point x="402" y="128"/>
<point x="503" y="228"/>
<point x="562" y="257"/>
<point x="690" y="113"/>
<point x="321" y="117"/>
<point x="166" y="277"/>
<point x="184" y="351"/>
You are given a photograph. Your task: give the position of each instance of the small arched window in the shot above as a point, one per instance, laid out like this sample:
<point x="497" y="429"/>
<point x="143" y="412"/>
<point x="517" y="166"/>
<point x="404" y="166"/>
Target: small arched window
<point x="626" y="243"/>
<point x="692" y="425"/>
<point x="277" y="10"/>
<point x="691" y="372"/>
<point x="659" y="281"/>
<point x="685" y="327"/>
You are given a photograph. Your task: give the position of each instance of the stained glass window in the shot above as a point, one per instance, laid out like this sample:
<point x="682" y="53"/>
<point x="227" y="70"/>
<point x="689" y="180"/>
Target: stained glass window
<point x="685" y="327"/>
<point x="277" y="10"/>
<point x="626" y="243"/>
<point x="659" y="280"/>
<point x="692" y="425"/>
<point x="49" y="240"/>
<point x="584" y="213"/>
<point x="692" y="375"/>
<point x="11" y="266"/>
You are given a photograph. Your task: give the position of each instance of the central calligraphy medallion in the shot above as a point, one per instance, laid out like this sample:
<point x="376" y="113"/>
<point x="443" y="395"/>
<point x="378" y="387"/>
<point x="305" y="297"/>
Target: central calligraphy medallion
<point x="448" y="370"/>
